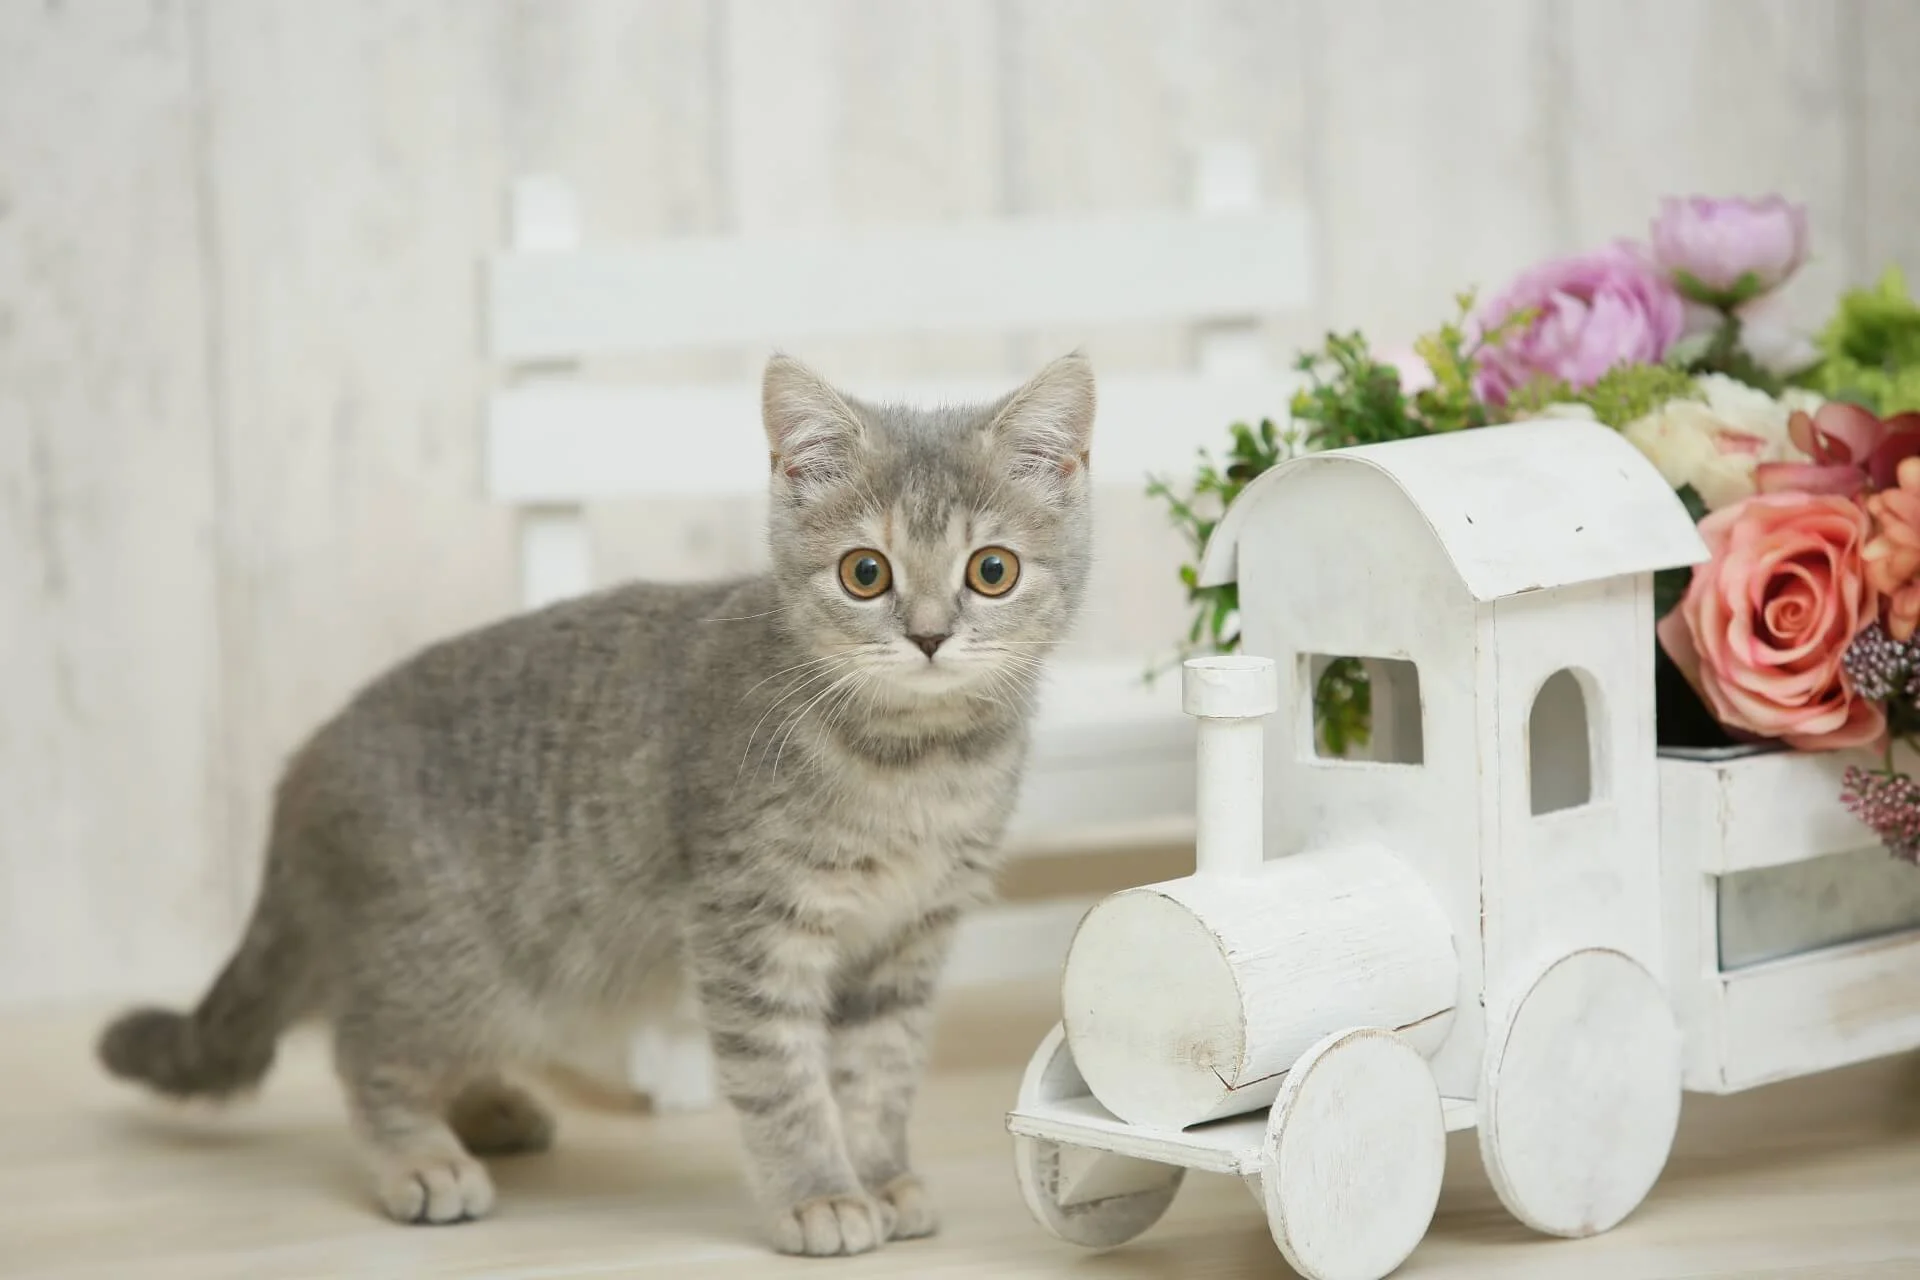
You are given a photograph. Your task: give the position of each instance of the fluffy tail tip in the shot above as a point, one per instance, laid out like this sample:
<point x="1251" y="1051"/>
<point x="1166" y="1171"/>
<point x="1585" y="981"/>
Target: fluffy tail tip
<point x="171" y="1054"/>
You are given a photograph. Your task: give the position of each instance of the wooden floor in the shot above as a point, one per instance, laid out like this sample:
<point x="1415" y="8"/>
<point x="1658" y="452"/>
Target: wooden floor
<point x="1817" y="1178"/>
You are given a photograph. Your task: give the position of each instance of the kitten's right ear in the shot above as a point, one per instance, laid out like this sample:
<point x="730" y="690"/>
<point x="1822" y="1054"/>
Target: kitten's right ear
<point x="812" y="434"/>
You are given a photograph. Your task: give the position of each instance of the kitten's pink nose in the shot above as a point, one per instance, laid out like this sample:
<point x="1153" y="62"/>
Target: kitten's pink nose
<point x="928" y="643"/>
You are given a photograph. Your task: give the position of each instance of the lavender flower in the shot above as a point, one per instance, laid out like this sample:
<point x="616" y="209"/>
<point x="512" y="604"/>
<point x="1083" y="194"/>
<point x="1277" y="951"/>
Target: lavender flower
<point x="1880" y="666"/>
<point x="1889" y="803"/>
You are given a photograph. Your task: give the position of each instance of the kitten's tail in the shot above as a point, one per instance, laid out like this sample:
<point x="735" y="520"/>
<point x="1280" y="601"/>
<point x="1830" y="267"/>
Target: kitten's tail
<point x="226" y="1045"/>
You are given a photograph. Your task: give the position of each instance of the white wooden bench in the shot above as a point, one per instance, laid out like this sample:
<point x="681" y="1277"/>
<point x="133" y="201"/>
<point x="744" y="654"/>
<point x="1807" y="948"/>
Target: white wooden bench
<point x="1113" y="756"/>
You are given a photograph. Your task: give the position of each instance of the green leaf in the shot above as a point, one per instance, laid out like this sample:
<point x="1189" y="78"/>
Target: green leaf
<point x="1669" y="587"/>
<point x="1696" y="505"/>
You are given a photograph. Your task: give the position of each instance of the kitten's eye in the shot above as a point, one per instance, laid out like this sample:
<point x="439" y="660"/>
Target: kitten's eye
<point x="993" y="570"/>
<point x="865" y="574"/>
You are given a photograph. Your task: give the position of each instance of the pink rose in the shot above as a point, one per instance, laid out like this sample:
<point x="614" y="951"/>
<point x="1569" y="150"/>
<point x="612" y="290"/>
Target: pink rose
<point x="1765" y="623"/>
<point x="1595" y="311"/>
<point x="1725" y="252"/>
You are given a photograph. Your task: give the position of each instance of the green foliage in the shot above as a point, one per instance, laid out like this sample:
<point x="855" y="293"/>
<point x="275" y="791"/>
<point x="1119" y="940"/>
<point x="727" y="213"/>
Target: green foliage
<point x="1343" y="706"/>
<point x="1870" y="350"/>
<point x="1723" y="353"/>
<point x="1252" y="451"/>
<point x="1748" y="287"/>
<point x="1354" y="399"/>
<point x="1669" y="585"/>
<point x="1351" y="399"/>
<point x="1622" y="395"/>
<point x="1451" y="403"/>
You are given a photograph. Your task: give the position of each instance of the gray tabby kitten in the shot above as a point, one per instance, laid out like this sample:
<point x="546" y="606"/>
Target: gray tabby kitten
<point x="786" y="789"/>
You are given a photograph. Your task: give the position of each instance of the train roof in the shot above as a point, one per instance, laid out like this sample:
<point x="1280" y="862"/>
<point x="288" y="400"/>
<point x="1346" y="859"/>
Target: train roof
<point x="1521" y="507"/>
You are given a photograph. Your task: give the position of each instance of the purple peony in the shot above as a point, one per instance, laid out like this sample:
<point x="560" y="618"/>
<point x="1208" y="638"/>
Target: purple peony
<point x="1595" y="310"/>
<point x="1724" y="252"/>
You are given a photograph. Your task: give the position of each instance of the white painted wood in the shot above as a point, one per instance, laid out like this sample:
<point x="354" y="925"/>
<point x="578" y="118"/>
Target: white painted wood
<point x="1879" y="38"/>
<point x="556" y="550"/>
<point x="1766" y="808"/>
<point x="581" y="442"/>
<point x="1229" y="697"/>
<point x="1234" y="1146"/>
<point x="1500" y="505"/>
<point x="1227" y="180"/>
<point x="1010" y="274"/>
<point x="1356" y="1148"/>
<point x="348" y="203"/>
<point x="556" y="558"/>
<point x="544" y="214"/>
<point x="1053" y="1176"/>
<point x="1523" y="841"/>
<point x="1296" y="569"/>
<point x="1586" y="875"/>
<point x="1739" y="814"/>
<point x="1187" y="1000"/>
<point x="1581" y="1097"/>
<point x="1231" y="1146"/>
<point x="1816" y="1012"/>
<point x="1416" y="224"/>
<point x="116" y="865"/>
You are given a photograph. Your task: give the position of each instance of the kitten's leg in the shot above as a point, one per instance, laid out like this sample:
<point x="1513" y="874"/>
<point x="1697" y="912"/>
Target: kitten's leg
<point x="880" y="1029"/>
<point x="765" y="983"/>
<point x="398" y="1102"/>
<point x="494" y="1117"/>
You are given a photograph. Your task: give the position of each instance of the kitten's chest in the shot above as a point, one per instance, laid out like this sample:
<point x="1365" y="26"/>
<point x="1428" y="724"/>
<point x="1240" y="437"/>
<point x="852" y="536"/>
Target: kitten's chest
<point x="892" y="848"/>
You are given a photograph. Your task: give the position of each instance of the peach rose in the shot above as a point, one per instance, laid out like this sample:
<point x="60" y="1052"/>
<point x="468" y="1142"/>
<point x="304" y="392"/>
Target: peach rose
<point x="1766" y="622"/>
<point x="1892" y="555"/>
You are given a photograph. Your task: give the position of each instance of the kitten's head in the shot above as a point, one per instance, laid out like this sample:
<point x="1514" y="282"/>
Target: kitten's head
<point x="934" y="552"/>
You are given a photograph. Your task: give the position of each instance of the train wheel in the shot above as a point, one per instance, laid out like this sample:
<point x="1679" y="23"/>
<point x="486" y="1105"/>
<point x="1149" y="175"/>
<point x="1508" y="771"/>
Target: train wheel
<point x="1356" y="1149"/>
<point x="1580" y="1094"/>
<point x="1085" y="1197"/>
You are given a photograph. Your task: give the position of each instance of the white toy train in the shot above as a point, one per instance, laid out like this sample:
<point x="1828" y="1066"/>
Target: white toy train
<point x="1463" y="931"/>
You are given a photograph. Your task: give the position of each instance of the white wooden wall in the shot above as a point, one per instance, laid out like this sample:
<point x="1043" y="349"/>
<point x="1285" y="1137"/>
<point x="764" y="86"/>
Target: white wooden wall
<point x="239" y="373"/>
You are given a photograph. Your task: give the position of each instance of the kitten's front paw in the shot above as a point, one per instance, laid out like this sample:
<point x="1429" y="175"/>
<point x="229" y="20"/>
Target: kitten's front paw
<point x="913" y="1212"/>
<point x="434" y="1188"/>
<point x="832" y="1226"/>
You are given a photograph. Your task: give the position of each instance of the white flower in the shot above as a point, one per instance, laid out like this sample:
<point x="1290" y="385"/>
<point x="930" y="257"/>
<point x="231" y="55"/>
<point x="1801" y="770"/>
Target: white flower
<point x="1715" y="442"/>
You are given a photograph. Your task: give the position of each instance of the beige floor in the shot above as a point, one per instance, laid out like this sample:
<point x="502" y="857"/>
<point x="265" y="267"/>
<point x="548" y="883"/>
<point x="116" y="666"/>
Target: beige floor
<point x="1818" y="1178"/>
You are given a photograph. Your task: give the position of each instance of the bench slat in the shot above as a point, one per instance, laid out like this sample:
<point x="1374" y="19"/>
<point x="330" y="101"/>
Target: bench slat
<point x="568" y="443"/>
<point x="1010" y="275"/>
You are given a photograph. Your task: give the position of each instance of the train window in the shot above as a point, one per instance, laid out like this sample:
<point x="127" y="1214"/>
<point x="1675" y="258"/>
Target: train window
<point x="1561" y="744"/>
<point x="1366" y="709"/>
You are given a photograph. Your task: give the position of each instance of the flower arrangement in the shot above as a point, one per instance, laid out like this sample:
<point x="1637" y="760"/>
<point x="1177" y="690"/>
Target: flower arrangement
<point x="1798" y="457"/>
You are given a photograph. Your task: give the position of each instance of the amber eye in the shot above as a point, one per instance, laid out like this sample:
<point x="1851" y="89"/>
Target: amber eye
<point x="993" y="570"/>
<point x="865" y="574"/>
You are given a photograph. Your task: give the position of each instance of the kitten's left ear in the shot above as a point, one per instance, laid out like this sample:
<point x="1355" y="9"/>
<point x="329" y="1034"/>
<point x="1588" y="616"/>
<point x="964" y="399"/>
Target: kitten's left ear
<point x="1046" y="426"/>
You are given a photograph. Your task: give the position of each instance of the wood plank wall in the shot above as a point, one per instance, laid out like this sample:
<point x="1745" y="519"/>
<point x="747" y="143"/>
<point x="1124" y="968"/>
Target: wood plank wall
<point x="239" y="365"/>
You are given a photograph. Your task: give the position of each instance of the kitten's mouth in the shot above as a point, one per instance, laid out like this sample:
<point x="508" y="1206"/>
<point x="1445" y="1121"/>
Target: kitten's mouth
<point x="938" y="674"/>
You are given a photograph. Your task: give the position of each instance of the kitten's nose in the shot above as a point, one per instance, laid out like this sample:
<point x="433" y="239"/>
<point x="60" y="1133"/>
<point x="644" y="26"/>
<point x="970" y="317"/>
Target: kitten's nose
<point x="928" y="643"/>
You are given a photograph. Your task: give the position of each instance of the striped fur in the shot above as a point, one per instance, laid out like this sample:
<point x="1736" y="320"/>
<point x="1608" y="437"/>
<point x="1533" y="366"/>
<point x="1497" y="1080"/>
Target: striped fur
<point x="522" y="837"/>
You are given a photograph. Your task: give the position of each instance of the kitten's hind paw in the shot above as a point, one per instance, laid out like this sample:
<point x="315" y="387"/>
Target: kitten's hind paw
<point x="913" y="1211"/>
<point x="832" y="1226"/>
<point x="436" y="1188"/>
<point x="494" y="1118"/>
